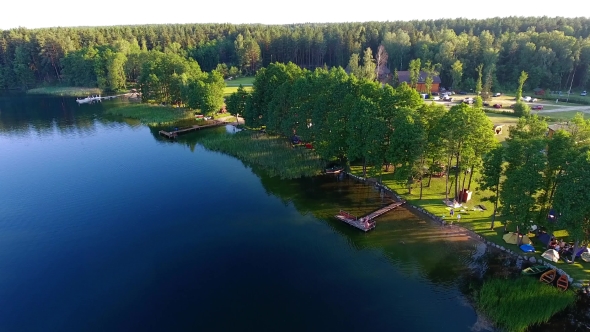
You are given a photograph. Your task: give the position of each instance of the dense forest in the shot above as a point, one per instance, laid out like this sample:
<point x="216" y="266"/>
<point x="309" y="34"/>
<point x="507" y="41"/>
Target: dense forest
<point x="555" y="52"/>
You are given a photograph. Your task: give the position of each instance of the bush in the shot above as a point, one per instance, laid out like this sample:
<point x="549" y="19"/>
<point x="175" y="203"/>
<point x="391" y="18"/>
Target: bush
<point x="521" y="109"/>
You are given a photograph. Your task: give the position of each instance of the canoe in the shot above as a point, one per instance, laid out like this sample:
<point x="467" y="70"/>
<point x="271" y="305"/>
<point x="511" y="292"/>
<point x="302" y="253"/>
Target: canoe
<point x="534" y="270"/>
<point x="548" y="276"/>
<point x="562" y="282"/>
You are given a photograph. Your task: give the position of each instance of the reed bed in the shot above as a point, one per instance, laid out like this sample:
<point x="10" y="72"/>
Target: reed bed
<point x="150" y="114"/>
<point x="272" y="153"/>
<point x="517" y="304"/>
<point x="65" y="91"/>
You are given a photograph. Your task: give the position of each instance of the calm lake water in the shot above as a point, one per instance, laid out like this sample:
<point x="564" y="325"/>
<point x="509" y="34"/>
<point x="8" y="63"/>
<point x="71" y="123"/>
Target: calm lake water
<point x="104" y="226"/>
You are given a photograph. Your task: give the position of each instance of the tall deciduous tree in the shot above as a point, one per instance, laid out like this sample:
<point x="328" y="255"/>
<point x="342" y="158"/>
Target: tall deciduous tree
<point x="521" y="79"/>
<point x="524" y="180"/>
<point x="369" y="66"/>
<point x="491" y="176"/>
<point x="456" y="74"/>
<point x="381" y="62"/>
<point x="415" y="67"/>
<point x="572" y="197"/>
<point x="478" y="85"/>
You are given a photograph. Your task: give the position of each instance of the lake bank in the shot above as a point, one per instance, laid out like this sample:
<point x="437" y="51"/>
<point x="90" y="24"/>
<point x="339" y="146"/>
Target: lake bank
<point x="65" y="91"/>
<point x="508" y="312"/>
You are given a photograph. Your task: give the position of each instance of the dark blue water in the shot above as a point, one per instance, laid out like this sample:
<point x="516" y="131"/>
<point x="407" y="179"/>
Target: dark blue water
<point x="106" y="227"/>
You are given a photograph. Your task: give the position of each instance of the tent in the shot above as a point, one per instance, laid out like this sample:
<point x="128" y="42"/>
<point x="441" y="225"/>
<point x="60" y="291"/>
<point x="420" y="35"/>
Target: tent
<point x="527" y="248"/>
<point x="585" y="256"/>
<point x="551" y="255"/>
<point x="512" y="238"/>
<point x="581" y="251"/>
<point x="545" y="238"/>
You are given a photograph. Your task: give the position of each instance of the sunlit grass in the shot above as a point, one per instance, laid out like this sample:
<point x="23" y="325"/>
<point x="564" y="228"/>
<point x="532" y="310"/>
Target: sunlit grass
<point x="245" y="81"/>
<point x="228" y="90"/>
<point x="150" y="114"/>
<point x="65" y="91"/>
<point x="477" y="221"/>
<point x="272" y="153"/>
<point x="516" y="304"/>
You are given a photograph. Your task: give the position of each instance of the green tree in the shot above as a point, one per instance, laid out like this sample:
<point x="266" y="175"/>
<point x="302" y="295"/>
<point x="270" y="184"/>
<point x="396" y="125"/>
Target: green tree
<point x="571" y="199"/>
<point x="524" y="180"/>
<point x="369" y="66"/>
<point x="456" y="74"/>
<point x="415" y="67"/>
<point x="236" y="102"/>
<point x="491" y="176"/>
<point x="353" y="66"/>
<point x="478" y="85"/>
<point x="523" y="77"/>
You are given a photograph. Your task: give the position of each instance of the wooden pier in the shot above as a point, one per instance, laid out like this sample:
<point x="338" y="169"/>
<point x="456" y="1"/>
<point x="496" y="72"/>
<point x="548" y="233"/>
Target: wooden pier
<point x="175" y="133"/>
<point x="367" y="222"/>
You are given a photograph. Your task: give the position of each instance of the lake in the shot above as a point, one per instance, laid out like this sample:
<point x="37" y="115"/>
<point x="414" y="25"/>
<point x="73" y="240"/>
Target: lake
<point x="104" y="226"/>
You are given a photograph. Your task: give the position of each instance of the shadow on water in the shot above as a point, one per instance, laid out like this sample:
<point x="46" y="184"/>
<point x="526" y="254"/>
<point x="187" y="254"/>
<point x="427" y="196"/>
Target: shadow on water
<point x="412" y="264"/>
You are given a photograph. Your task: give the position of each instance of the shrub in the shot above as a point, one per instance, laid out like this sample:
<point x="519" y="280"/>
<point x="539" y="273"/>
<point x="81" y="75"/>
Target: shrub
<point x="521" y="109"/>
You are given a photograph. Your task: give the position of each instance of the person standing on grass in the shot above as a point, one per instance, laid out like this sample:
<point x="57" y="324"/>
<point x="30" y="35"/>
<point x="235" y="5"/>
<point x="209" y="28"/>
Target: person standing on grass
<point x="458" y="217"/>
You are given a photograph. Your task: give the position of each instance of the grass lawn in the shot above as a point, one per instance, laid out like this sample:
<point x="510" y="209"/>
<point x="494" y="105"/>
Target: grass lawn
<point x="505" y="120"/>
<point x="244" y="81"/>
<point x="477" y="221"/>
<point x="65" y="91"/>
<point x="563" y="116"/>
<point x="228" y="90"/>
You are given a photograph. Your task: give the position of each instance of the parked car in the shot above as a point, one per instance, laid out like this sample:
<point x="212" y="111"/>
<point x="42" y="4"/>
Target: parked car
<point x="436" y="98"/>
<point x="538" y="107"/>
<point x="447" y="98"/>
<point x="468" y="100"/>
<point x="583" y="94"/>
<point x="485" y="103"/>
<point x="527" y="98"/>
<point x="463" y="92"/>
<point x="497" y="105"/>
<point x="497" y="94"/>
<point x="534" y="100"/>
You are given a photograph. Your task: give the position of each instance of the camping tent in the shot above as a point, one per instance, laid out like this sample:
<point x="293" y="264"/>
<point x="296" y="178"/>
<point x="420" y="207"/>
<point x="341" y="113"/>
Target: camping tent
<point x="512" y="238"/>
<point x="527" y="248"/>
<point x="551" y="255"/>
<point x="581" y="251"/>
<point x="545" y="238"/>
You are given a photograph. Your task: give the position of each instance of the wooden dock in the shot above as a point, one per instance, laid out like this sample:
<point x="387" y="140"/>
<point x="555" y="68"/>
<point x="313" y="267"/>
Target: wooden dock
<point x="367" y="222"/>
<point x="175" y="133"/>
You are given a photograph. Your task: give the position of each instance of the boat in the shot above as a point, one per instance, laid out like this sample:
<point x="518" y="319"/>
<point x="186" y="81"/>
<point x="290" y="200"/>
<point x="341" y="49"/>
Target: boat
<point x="334" y="170"/>
<point x="548" y="276"/>
<point x="562" y="282"/>
<point x="89" y="99"/>
<point x="534" y="270"/>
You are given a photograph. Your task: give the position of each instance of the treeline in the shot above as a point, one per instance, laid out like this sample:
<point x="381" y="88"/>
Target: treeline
<point x="554" y="51"/>
<point x="381" y="126"/>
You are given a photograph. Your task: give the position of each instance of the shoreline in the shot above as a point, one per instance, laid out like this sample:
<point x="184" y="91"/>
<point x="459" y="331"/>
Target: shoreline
<point x="460" y="230"/>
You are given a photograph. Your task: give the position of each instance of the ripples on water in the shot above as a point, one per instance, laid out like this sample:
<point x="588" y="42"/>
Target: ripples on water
<point x="106" y="226"/>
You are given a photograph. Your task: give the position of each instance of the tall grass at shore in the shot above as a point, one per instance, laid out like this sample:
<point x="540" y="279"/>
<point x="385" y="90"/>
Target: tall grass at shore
<point x="516" y="304"/>
<point x="65" y="91"/>
<point x="273" y="153"/>
<point x="150" y="114"/>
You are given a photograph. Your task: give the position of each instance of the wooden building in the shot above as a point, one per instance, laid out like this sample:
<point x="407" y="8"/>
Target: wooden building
<point x="404" y="76"/>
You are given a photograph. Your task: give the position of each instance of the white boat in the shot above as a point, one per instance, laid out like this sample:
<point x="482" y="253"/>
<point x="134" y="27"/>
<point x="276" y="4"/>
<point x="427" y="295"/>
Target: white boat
<point x="89" y="99"/>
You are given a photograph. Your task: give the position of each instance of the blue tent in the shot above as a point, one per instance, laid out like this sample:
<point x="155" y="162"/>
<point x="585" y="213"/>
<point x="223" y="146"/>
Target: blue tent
<point x="527" y="248"/>
<point x="545" y="238"/>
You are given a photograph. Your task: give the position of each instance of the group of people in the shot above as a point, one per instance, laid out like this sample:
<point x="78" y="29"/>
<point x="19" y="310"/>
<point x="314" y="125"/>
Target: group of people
<point x="563" y="248"/>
